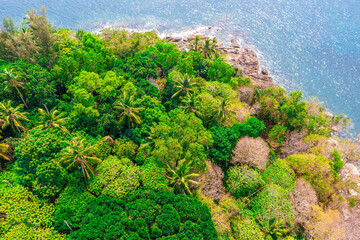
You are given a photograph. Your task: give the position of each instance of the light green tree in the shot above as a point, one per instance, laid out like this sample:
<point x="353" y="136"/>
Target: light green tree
<point x="12" y="117"/>
<point x="128" y="111"/>
<point x="79" y="153"/>
<point x="12" y="80"/>
<point x="181" y="176"/>
<point x="52" y="119"/>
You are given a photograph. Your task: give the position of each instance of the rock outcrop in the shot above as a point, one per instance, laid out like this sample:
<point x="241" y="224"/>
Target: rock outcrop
<point x="244" y="58"/>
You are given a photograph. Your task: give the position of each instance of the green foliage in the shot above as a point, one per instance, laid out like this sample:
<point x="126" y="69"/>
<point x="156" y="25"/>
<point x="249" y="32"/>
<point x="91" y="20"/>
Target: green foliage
<point x="180" y="136"/>
<point x="23" y="232"/>
<point x="271" y="208"/>
<point x="146" y="215"/>
<point x="35" y="153"/>
<point x="243" y="181"/>
<point x="240" y="82"/>
<point x="153" y="177"/>
<point x="116" y="178"/>
<point x="337" y="162"/>
<point x="280" y="173"/>
<point x="246" y="229"/>
<point x="220" y="71"/>
<point x="71" y="206"/>
<point x="316" y="169"/>
<point x="21" y="207"/>
<point x="138" y="67"/>
<point x="225" y="139"/>
<point x="277" y="134"/>
<point x="125" y="148"/>
<point x="166" y="55"/>
<point x="51" y="178"/>
<point x="85" y="53"/>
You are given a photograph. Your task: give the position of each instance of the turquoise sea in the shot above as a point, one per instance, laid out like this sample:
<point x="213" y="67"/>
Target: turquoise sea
<point x="308" y="45"/>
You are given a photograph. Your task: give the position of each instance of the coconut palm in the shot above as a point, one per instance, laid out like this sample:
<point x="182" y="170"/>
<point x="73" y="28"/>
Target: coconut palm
<point x="128" y="111"/>
<point x="12" y="80"/>
<point x="79" y="153"/>
<point x="223" y="111"/>
<point x="3" y="149"/>
<point x="181" y="176"/>
<point x="52" y="119"/>
<point x="12" y="117"/>
<point x="196" y="44"/>
<point x="208" y="50"/>
<point x="190" y="104"/>
<point x="183" y="86"/>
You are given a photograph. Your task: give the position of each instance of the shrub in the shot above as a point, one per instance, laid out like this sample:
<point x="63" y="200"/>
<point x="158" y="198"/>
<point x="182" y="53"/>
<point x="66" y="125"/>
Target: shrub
<point x="243" y="181"/>
<point x="124" y="148"/>
<point x="252" y="151"/>
<point x="116" y="178"/>
<point x="153" y="177"/>
<point x="271" y="206"/>
<point x="246" y="229"/>
<point x="146" y="215"/>
<point x="325" y="224"/>
<point x="338" y="163"/>
<point x="281" y="174"/>
<point x="220" y="71"/>
<point x="21" y="207"/>
<point x="303" y="198"/>
<point x="317" y="170"/>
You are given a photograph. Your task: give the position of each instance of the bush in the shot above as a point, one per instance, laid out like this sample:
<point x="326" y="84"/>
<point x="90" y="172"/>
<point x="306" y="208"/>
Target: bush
<point x="281" y="174"/>
<point x="271" y="207"/>
<point x="243" y="181"/>
<point x="153" y="177"/>
<point x="246" y="229"/>
<point x="317" y="170"/>
<point x="116" y="178"/>
<point x="220" y="71"/>
<point x="21" y="207"/>
<point x="337" y="162"/>
<point x="146" y="215"/>
<point x="124" y="148"/>
<point x="252" y="151"/>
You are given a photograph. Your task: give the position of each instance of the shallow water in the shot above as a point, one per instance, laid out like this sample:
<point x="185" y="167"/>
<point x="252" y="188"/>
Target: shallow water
<point x="310" y="45"/>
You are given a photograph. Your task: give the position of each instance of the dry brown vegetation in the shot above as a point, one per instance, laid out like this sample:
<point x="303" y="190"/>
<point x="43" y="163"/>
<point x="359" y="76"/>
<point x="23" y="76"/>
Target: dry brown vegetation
<point x="252" y="151"/>
<point x="303" y="198"/>
<point x="212" y="180"/>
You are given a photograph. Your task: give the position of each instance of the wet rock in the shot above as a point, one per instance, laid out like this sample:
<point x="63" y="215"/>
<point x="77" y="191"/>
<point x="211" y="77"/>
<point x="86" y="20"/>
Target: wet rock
<point x="265" y="72"/>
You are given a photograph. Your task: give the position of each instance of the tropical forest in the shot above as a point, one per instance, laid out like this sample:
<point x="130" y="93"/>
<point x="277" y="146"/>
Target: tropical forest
<point x="122" y="135"/>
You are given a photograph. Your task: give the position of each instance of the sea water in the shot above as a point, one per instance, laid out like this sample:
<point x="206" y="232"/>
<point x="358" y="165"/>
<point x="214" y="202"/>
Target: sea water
<point x="308" y="45"/>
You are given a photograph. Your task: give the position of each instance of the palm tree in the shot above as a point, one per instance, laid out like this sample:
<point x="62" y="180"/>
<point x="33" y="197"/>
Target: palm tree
<point x="190" y="104"/>
<point x="183" y="86"/>
<point x="128" y="111"/>
<point x="223" y="111"/>
<point x="181" y="176"/>
<point x="80" y="153"/>
<point x="12" y="80"/>
<point x="3" y="149"/>
<point x="52" y="119"/>
<point x="208" y="50"/>
<point x="12" y="117"/>
<point x="196" y="44"/>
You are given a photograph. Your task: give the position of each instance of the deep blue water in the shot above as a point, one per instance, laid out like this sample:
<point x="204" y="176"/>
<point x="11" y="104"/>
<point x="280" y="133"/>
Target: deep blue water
<point x="308" y="45"/>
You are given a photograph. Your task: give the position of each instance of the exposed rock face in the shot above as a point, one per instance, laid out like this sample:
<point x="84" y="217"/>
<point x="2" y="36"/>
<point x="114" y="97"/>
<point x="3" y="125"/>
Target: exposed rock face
<point x="212" y="182"/>
<point x="238" y="57"/>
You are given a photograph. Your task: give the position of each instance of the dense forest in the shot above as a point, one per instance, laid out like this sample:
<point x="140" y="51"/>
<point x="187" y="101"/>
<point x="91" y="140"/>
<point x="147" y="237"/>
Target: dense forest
<point x="120" y="135"/>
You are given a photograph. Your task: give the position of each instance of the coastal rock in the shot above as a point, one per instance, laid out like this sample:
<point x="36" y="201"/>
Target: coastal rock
<point x="234" y="44"/>
<point x="349" y="171"/>
<point x="236" y="56"/>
